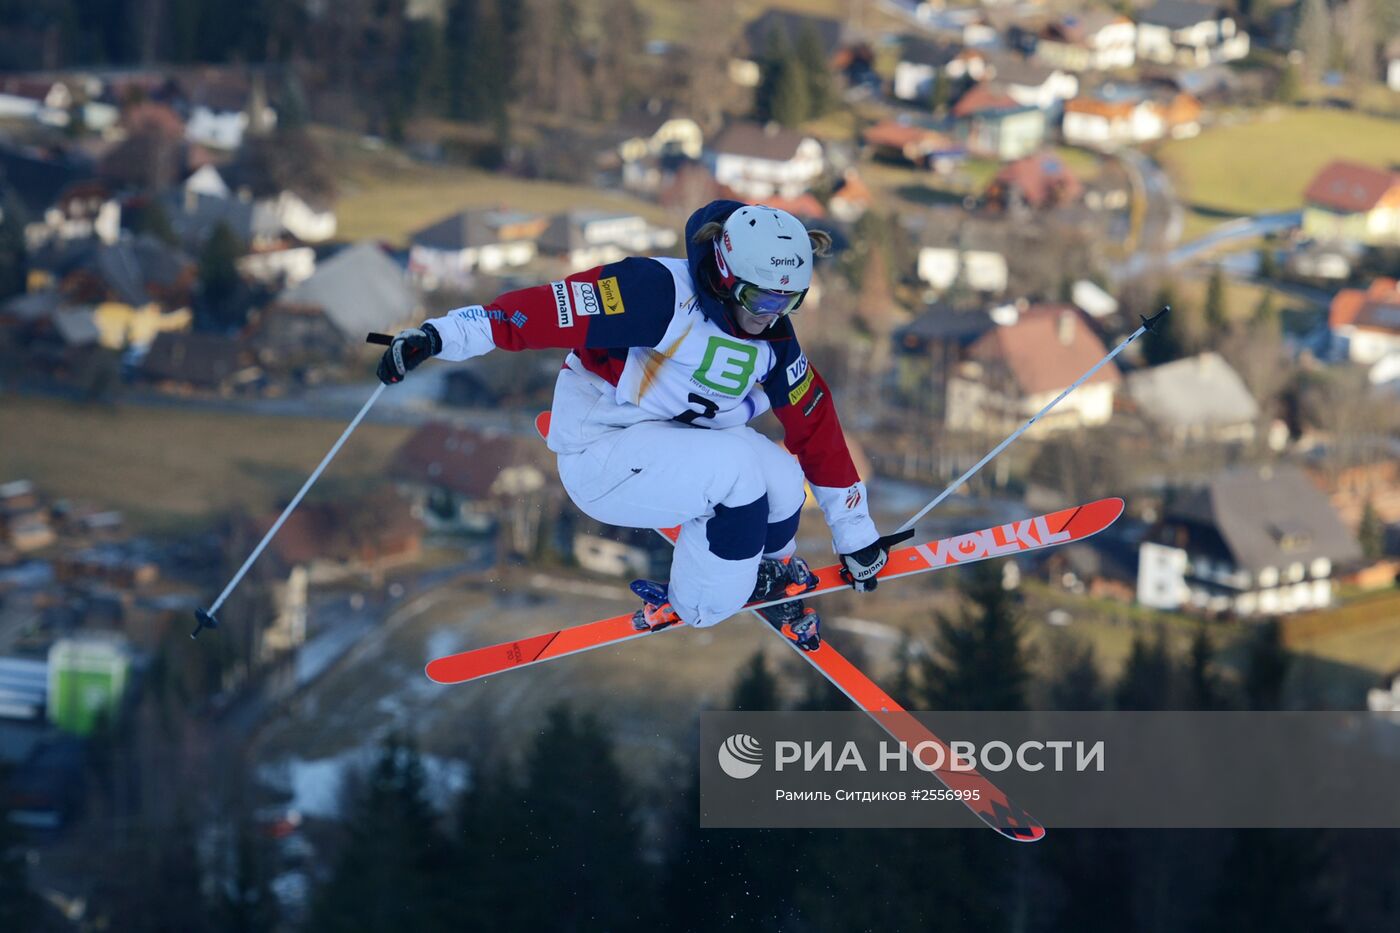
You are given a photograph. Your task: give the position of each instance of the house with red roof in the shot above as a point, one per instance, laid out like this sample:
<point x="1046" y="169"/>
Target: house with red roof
<point x="1365" y="323"/>
<point x="1355" y="202"/>
<point x="1038" y="182"/>
<point x="1015" y="370"/>
<point x="462" y="479"/>
<point x="852" y="197"/>
<point x="1129" y="118"/>
<point x="896" y="140"/>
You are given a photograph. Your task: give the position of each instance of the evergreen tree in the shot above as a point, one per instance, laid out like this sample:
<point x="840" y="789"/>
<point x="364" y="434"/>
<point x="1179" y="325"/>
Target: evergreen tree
<point x="1268" y="265"/>
<point x="942" y="91"/>
<point x="1371" y="532"/>
<point x="1076" y="684"/>
<point x="1272" y="880"/>
<point x="14" y="252"/>
<point x="756" y="689"/>
<point x="558" y="850"/>
<point x="1202" y="683"/>
<point x="1265" y="317"/>
<point x="782" y="93"/>
<point x="791" y="100"/>
<point x="614" y="73"/>
<point x="1266" y="667"/>
<point x="1216" y="318"/>
<point x="392" y="871"/>
<point x="978" y="662"/>
<point x="486" y="68"/>
<point x="246" y="903"/>
<point x="1289" y="87"/>
<point x="20" y="908"/>
<point x="156" y="222"/>
<point x="1145" y="683"/>
<point x="423" y="78"/>
<point x="220" y="282"/>
<point x="816" y="71"/>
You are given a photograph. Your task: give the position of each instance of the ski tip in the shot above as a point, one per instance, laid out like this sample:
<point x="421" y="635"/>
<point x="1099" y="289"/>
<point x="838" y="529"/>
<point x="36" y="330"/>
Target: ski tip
<point x="1033" y="833"/>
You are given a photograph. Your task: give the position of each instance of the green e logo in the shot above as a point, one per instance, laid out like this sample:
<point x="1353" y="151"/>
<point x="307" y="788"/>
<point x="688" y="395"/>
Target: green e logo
<point x="727" y="366"/>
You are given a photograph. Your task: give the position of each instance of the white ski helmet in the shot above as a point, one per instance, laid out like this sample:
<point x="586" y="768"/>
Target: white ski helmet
<point x="764" y="259"/>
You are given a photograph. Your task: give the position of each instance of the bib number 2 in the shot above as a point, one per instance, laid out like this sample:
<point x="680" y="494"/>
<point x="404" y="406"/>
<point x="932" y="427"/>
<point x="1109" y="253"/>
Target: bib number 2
<point x="710" y="409"/>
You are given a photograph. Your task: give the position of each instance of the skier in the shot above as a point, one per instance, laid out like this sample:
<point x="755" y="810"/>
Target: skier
<point x="670" y="359"/>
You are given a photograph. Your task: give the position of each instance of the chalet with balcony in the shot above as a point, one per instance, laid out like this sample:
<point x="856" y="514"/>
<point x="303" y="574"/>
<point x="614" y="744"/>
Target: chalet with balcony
<point x="1253" y="541"/>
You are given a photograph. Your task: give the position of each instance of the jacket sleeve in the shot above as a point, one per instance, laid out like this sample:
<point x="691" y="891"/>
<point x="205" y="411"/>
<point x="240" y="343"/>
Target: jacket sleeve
<point x="619" y="305"/>
<point x="802" y="402"/>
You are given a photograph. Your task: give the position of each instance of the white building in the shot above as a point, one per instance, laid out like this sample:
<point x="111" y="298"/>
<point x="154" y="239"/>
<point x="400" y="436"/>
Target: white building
<point x="980" y="270"/>
<point x="1111" y="124"/>
<point x="1015" y="370"/>
<point x="762" y="161"/>
<point x="1252" y="542"/>
<point x="1200" y="398"/>
<point x="1098" y="40"/>
<point x="584" y="239"/>
<point x="1189" y="34"/>
<point x="451" y="250"/>
<point x="919" y="65"/>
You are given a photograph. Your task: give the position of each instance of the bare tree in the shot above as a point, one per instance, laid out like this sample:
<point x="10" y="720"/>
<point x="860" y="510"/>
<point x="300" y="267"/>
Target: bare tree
<point x="1315" y="37"/>
<point x="1356" y="30"/>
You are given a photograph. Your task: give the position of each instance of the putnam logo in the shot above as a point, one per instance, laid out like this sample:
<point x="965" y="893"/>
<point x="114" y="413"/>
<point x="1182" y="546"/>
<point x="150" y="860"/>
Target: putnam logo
<point x="561" y="303"/>
<point x="740" y="756"/>
<point x="612" y="296"/>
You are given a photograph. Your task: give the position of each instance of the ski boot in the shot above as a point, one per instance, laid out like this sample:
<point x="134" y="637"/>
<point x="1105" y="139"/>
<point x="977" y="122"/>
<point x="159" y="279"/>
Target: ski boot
<point x="656" y="612"/>
<point x="789" y="576"/>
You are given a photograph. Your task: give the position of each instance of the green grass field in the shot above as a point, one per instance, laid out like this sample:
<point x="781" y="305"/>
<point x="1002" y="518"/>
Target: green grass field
<point x="1266" y="163"/>
<point x="171" y="469"/>
<point x="386" y="196"/>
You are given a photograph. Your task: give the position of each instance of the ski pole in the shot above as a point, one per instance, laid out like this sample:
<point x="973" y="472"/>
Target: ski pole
<point x="206" y="617"/>
<point x="1148" y="323"/>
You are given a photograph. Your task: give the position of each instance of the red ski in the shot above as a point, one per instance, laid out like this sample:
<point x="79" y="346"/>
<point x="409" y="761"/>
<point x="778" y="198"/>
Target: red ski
<point x="1074" y="524"/>
<point x="990" y="804"/>
<point x="1066" y="525"/>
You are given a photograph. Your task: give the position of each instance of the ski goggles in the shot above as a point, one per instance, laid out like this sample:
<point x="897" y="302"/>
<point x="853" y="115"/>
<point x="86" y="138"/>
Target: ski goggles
<point x="765" y="302"/>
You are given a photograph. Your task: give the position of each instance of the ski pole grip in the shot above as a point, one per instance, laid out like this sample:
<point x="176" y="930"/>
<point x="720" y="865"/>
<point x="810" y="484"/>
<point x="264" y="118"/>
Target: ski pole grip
<point x="889" y="541"/>
<point x="382" y="339"/>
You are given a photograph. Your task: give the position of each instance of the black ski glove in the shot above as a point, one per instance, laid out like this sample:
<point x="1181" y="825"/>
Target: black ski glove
<point x="409" y="348"/>
<point x="860" y="567"/>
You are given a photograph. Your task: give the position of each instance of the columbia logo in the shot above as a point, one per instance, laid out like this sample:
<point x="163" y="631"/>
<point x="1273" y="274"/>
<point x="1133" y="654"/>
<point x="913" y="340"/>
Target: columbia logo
<point x="518" y="319"/>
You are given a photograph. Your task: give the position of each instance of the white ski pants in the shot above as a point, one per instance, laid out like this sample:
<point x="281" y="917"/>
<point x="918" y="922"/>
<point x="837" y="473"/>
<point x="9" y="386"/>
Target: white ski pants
<point x="735" y="494"/>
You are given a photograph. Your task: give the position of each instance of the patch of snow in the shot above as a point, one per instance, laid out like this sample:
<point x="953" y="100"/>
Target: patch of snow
<point x="444" y="641"/>
<point x="315" y="785"/>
